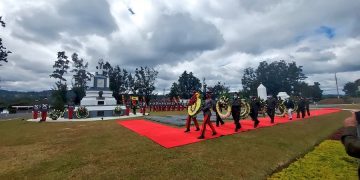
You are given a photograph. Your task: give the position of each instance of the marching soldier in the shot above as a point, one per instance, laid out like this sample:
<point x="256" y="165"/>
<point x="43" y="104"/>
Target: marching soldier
<point x="301" y="107"/>
<point x="271" y="106"/>
<point x="192" y="118"/>
<point x="307" y="106"/>
<point x="289" y="104"/>
<point x="207" y="114"/>
<point x="254" y="110"/>
<point x="235" y="111"/>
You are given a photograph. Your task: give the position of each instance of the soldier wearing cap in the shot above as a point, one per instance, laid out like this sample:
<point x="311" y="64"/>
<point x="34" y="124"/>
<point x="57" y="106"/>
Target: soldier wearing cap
<point x="254" y="110"/>
<point x="235" y="111"/>
<point x="207" y="114"/>
<point x="192" y="118"/>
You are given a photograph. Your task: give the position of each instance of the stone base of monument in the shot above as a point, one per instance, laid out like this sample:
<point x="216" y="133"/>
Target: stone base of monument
<point x="100" y="111"/>
<point x="90" y="119"/>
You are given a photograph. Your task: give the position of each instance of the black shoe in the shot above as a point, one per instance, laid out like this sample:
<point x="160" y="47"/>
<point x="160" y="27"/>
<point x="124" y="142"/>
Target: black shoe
<point x="217" y="125"/>
<point x="187" y="130"/>
<point x="214" y="133"/>
<point x="197" y="129"/>
<point x="222" y="123"/>
<point x="256" y="124"/>
<point x="201" y="137"/>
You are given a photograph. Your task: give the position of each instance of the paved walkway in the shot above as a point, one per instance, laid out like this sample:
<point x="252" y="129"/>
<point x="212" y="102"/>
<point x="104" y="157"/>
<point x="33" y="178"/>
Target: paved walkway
<point x="89" y="119"/>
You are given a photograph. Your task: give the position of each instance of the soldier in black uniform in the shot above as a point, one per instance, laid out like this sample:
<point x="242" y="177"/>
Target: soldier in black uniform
<point x="271" y="106"/>
<point x="298" y="109"/>
<point x="235" y="111"/>
<point x="301" y="106"/>
<point x="307" y="106"/>
<point x="254" y="110"/>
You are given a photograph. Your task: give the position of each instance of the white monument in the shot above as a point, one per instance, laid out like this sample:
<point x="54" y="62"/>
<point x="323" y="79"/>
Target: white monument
<point x="261" y="90"/>
<point x="98" y="99"/>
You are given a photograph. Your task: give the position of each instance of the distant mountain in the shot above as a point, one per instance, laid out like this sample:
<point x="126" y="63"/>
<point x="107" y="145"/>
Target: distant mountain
<point x="8" y="98"/>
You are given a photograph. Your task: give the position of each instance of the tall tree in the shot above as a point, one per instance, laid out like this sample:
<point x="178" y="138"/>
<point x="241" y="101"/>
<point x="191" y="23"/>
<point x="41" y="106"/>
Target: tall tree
<point x="145" y="78"/>
<point x="174" y="90"/>
<point x="276" y="76"/>
<point x="81" y="76"/>
<point x="316" y="91"/>
<point x="61" y="67"/>
<point x="249" y="82"/>
<point x="187" y="83"/>
<point x="3" y="52"/>
<point x="219" y="89"/>
<point x="119" y="82"/>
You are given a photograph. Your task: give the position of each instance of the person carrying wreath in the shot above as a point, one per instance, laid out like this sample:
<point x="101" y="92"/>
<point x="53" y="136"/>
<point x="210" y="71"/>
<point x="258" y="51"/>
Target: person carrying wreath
<point x="192" y="118"/>
<point x="207" y="114"/>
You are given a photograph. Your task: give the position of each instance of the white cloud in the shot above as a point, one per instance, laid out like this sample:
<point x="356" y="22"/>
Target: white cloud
<point x="213" y="39"/>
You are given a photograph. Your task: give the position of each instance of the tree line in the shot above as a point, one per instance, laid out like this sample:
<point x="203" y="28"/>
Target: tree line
<point x="278" y="76"/>
<point x="142" y="82"/>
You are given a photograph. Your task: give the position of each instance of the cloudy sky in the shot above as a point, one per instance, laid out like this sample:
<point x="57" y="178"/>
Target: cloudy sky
<point x="215" y="39"/>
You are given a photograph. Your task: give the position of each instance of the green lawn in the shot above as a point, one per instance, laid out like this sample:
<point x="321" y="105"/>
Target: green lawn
<point x="105" y="150"/>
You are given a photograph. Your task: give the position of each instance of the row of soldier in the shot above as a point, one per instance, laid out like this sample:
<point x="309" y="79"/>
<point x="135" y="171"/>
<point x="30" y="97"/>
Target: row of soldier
<point x="256" y="106"/>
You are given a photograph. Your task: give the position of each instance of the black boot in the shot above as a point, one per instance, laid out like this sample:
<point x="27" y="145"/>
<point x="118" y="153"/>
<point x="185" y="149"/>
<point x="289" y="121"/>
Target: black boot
<point x="187" y="130"/>
<point x="197" y="129"/>
<point x="256" y="124"/>
<point x="214" y="133"/>
<point x="201" y="137"/>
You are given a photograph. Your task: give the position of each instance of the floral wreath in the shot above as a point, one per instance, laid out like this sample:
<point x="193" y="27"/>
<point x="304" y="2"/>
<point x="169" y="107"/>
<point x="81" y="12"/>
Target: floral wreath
<point x="117" y="110"/>
<point x="82" y="112"/>
<point x="194" y="104"/>
<point x="245" y="109"/>
<point x="281" y="109"/>
<point x="55" y="114"/>
<point x="223" y="102"/>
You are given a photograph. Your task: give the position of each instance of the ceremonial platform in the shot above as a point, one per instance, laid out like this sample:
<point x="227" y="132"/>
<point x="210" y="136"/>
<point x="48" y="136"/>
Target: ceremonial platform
<point x="170" y="137"/>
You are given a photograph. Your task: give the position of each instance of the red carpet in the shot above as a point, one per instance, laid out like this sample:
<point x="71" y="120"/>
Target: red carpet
<point x="169" y="137"/>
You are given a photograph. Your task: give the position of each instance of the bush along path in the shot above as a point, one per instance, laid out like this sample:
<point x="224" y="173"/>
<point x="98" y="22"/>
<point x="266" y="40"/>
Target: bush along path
<point x="327" y="161"/>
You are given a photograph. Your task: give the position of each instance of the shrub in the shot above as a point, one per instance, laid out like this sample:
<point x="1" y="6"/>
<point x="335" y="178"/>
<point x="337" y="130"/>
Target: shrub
<point x="327" y="161"/>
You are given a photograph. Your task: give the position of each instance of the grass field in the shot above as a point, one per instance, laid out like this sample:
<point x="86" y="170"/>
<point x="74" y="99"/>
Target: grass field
<point x="105" y="150"/>
<point x="349" y="106"/>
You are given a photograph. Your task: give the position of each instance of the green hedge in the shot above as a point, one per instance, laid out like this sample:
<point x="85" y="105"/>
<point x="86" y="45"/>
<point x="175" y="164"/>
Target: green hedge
<point x="328" y="161"/>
